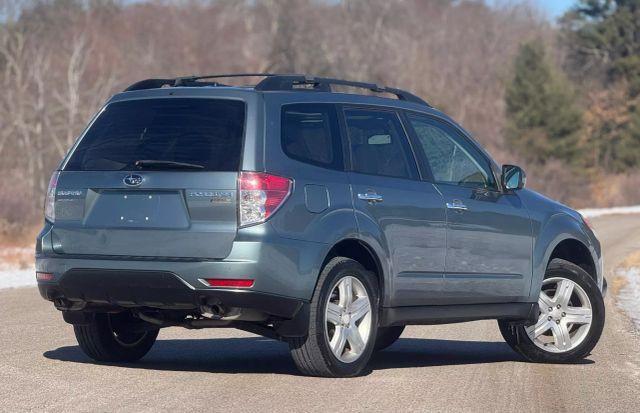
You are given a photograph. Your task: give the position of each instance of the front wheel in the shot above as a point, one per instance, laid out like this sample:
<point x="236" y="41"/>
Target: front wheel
<point x="570" y="320"/>
<point x="342" y="324"/>
<point x="115" y="338"/>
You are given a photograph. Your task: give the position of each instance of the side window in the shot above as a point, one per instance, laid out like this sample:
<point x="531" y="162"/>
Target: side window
<point x="310" y="134"/>
<point x="378" y="144"/>
<point x="452" y="159"/>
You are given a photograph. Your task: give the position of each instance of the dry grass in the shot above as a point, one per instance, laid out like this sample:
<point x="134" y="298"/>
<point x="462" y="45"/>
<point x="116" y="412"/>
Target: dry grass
<point x="608" y="190"/>
<point x="17" y="257"/>
<point x="632" y="260"/>
<point x="17" y="235"/>
<point x="619" y="282"/>
<point x="17" y="244"/>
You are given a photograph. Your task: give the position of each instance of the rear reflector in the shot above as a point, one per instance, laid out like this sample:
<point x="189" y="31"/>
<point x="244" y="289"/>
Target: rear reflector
<point x="229" y="283"/>
<point x="587" y="222"/>
<point x="44" y="276"/>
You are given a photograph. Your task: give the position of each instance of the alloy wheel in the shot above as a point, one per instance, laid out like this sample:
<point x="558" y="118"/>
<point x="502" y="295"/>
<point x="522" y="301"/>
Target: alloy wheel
<point x="565" y="316"/>
<point x="348" y="319"/>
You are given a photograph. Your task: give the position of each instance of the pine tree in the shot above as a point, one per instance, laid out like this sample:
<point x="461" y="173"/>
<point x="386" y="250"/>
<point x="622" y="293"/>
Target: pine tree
<point x="603" y="40"/>
<point x="543" y="120"/>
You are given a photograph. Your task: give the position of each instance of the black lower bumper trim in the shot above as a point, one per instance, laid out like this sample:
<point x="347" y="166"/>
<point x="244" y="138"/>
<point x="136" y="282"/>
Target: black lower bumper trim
<point x="157" y="289"/>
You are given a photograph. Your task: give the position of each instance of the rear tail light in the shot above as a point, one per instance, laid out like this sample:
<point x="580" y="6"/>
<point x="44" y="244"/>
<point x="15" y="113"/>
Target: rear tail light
<point x="50" y="201"/>
<point x="44" y="276"/>
<point x="261" y="195"/>
<point x="229" y="283"/>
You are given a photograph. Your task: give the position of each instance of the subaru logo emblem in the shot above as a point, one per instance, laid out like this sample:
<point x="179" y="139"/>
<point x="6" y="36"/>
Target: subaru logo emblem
<point x="133" y="180"/>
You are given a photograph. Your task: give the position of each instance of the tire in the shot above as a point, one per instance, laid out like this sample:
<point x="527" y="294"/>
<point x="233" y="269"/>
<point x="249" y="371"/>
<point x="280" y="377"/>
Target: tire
<point x="387" y="336"/>
<point x="580" y="338"/>
<point x="313" y="354"/>
<point x="109" y="338"/>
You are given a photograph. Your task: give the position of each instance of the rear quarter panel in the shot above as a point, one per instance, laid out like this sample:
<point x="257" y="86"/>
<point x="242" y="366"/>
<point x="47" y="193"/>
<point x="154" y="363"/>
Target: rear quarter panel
<point x="319" y="208"/>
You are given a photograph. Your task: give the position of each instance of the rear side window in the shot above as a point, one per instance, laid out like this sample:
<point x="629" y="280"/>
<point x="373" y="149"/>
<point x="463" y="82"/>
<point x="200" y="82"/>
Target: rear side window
<point x="206" y="133"/>
<point x="310" y="134"/>
<point x="379" y="145"/>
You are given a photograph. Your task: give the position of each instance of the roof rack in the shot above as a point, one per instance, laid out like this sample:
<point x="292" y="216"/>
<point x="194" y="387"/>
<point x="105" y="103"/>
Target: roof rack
<point x="189" y="81"/>
<point x="290" y="82"/>
<point x="278" y="82"/>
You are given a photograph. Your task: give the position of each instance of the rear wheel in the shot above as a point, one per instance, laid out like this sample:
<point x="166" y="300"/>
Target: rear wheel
<point x="387" y="336"/>
<point x="343" y="322"/>
<point x="115" y="338"/>
<point x="570" y="320"/>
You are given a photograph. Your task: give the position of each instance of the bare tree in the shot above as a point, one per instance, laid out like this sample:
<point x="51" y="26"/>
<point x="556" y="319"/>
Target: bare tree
<point x="58" y="63"/>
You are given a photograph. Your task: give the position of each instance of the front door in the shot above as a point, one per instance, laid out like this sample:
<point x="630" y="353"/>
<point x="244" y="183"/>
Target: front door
<point x="489" y="237"/>
<point x="394" y="206"/>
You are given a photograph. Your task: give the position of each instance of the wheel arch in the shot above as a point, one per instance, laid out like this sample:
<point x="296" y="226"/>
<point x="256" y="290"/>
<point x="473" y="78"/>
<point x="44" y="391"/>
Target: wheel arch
<point x="563" y="237"/>
<point x="574" y="251"/>
<point x="362" y="252"/>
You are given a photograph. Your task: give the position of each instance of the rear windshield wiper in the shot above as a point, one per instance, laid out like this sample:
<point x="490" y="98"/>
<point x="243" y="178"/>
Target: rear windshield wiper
<point x="152" y="164"/>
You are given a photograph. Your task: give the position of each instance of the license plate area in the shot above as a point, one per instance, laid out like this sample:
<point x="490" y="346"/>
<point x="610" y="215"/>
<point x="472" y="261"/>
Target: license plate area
<point x="138" y="209"/>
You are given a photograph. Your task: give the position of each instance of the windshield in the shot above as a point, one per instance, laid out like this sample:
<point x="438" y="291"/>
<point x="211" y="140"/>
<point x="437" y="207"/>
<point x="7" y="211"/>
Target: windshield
<point x="199" y="134"/>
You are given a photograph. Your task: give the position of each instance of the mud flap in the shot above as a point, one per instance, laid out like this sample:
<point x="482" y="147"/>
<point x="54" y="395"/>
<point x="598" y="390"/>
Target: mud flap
<point x="78" y="318"/>
<point x="298" y="326"/>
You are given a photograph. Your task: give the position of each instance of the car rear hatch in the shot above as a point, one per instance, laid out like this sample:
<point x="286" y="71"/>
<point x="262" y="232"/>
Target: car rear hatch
<point x="153" y="178"/>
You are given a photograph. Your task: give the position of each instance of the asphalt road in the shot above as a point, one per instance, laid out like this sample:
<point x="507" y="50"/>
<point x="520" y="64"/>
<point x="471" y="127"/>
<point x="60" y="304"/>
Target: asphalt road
<point x="461" y="367"/>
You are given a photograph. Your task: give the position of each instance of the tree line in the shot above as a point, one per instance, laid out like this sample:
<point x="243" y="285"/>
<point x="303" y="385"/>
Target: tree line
<point x="583" y="108"/>
<point x="557" y="98"/>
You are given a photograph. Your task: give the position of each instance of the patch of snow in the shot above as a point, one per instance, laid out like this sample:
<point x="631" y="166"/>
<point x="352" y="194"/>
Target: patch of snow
<point x="629" y="295"/>
<point x="597" y="212"/>
<point x="16" y="277"/>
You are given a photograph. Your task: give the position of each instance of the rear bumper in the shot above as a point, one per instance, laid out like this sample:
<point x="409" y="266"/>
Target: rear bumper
<point x="155" y="289"/>
<point x="279" y="266"/>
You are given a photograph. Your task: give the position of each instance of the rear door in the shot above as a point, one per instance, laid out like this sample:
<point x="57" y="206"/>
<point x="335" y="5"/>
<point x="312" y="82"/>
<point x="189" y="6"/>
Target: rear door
<point x="489" y="242"/>
<point x="394" y="206"/>
<point x="153" y="177"/>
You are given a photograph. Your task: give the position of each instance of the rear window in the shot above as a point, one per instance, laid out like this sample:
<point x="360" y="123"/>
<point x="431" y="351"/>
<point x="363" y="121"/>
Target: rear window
<point x="206" y="133"/>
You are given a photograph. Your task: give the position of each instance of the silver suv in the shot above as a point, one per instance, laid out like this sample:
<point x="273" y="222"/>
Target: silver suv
<point x="327" y="220"/>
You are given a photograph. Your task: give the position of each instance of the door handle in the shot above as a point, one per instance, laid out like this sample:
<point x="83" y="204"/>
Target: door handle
<point x="457" y="205"/>
<point x="370" y="197"/>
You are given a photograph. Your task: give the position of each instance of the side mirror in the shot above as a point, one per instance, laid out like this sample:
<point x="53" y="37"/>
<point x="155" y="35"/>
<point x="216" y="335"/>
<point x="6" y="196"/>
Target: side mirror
<point x="513" y="177"/>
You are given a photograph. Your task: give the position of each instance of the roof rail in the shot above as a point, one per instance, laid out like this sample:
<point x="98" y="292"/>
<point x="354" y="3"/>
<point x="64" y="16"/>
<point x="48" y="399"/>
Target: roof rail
<point x="189" y="81"/>
<point x="323" y="84"/>
<point x="275" y="82"/>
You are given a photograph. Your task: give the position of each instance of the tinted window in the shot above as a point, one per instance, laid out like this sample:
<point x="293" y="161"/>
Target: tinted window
<point x="452" y="159"/>
<point x="203" y="132"/>
<point x="310" y="134"/>
<point x="378" y="144"/>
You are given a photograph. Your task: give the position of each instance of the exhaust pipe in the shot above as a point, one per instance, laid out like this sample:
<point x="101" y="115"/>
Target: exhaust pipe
<point x="213" y="311"/>
<point x="189" y="323"/>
